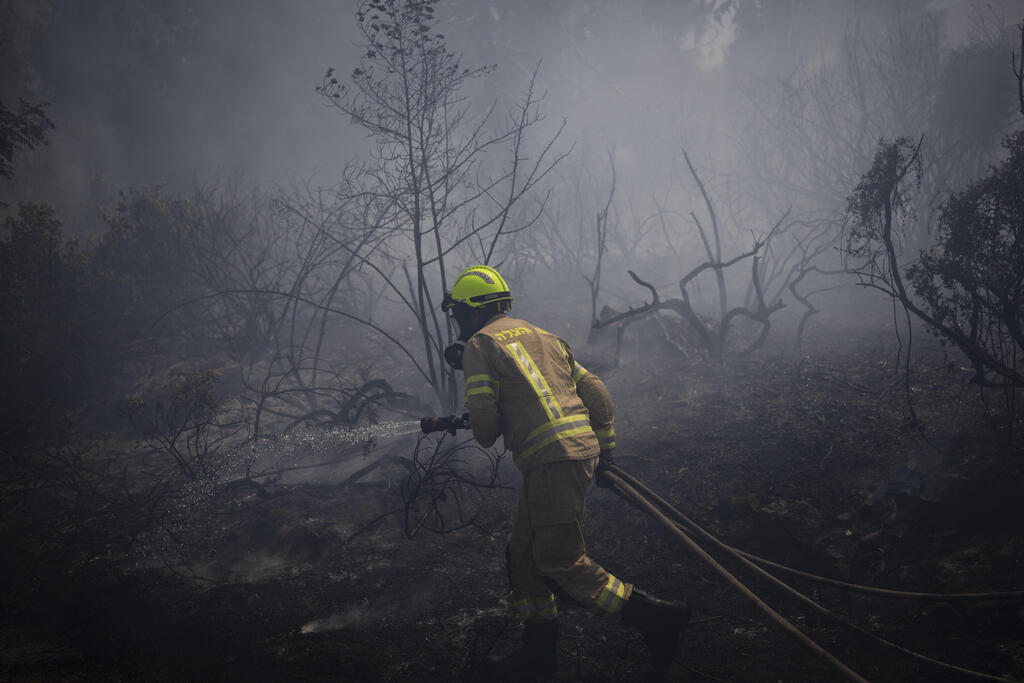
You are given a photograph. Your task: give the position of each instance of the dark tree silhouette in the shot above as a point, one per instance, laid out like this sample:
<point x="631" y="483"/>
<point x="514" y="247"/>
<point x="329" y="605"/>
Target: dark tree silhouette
<point x="442" y="181"/>
<point x="968" y="288"/>
<point x="25" y="128"/>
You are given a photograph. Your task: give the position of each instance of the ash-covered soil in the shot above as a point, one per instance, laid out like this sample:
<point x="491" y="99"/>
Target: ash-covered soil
<point x="810" y="459"/>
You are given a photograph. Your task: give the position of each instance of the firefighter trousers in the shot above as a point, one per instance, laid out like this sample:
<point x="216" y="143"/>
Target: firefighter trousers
<point x="546" y="545"/>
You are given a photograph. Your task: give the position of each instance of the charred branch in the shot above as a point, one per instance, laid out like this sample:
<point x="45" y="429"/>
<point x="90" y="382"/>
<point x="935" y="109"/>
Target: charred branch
<point x="713" y="341"/>
<point x="440" y="492"/>
<point x="1018" y="69"/>
<point x="715" y="255"/>
<point x="602" y="238"/>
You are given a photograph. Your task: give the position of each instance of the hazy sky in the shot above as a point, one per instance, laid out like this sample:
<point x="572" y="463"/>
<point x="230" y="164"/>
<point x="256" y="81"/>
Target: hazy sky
<point x="167" y="90"/>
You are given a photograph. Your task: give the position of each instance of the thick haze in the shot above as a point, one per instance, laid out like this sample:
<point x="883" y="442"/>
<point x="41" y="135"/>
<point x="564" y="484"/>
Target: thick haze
<point x="175" y="91"/>
<point x="159" y="91"/>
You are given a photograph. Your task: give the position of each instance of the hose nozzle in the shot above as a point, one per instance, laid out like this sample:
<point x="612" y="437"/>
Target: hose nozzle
<point x="449" y="424"/>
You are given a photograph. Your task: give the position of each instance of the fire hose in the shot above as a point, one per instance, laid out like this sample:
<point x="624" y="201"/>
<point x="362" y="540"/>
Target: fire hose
<point x="643" y="498"/>
<point x="646" y="500"/>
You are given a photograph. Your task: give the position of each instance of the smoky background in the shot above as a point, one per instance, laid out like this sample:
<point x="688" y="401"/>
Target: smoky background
<point x="219" y="295"/>
<point x="701" y="152"/>
<point x="669" y="137"/>
<point x="181" y="94"/>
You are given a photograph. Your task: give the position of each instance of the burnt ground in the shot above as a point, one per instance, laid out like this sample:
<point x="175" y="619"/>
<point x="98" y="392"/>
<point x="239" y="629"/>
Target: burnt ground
<point x="809" y="459"/>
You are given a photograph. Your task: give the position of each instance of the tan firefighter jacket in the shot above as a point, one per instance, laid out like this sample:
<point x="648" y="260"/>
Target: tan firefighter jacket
<point x="525" y="383"/>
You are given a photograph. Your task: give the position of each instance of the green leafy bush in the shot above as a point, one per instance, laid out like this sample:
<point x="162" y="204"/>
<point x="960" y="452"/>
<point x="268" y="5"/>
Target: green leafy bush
<point x="53" y="346"/>
<point x="972" y="283"/>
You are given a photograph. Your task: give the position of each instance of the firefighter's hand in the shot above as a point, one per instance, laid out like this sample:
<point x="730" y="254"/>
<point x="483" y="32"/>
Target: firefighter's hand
<point x="605" y="460"/>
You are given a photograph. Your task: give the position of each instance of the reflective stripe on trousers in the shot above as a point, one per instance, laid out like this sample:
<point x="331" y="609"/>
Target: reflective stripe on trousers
<point x="537" y="609"/>
<point x="612" y="597"/>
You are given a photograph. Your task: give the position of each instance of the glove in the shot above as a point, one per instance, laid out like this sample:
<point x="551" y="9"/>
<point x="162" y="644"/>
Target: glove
<point x="604" y="461"/>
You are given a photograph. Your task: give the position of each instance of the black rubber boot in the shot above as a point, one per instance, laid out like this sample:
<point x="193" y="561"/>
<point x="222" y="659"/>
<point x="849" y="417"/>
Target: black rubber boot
<point x="540" y="646"/>
<point x="660" y="621"/>
<point x="537" y="659"/>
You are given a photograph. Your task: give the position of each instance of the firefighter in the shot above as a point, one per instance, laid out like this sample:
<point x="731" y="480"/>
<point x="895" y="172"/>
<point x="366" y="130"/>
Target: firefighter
<point x="524" y="384"/>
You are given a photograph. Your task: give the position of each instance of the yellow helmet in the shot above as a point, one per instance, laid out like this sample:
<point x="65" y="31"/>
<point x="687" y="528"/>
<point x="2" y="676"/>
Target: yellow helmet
<point x="478" y="286"/>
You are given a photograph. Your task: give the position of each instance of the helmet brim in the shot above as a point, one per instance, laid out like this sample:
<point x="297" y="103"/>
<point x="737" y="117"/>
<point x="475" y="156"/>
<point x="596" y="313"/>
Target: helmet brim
<point x="449" y="303"/>
<point x="482" y="299"/>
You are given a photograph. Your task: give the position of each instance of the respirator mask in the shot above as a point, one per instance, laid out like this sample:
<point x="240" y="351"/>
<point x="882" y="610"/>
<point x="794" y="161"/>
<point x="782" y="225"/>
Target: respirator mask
<point x="453" y="352"/>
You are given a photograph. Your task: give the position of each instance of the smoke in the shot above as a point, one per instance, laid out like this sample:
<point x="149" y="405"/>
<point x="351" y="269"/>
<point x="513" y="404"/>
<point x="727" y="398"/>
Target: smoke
<point x="177" y="92"/>
<point x="181" y="92"/>
<point x="170" y="92"/>
<point x="351" y="617"/>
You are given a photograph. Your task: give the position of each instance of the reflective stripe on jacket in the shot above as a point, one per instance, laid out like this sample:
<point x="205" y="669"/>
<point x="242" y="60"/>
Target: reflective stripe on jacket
<point x="525" y="383"/>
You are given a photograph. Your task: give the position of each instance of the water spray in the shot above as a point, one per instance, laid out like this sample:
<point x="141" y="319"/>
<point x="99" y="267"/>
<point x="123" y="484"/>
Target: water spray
<point x="307" y="442"/>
